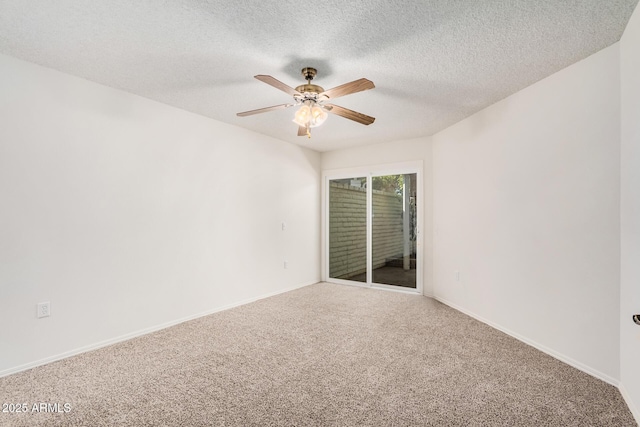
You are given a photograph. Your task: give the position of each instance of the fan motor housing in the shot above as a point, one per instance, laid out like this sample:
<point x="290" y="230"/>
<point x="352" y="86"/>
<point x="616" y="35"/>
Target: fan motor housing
<point x="310" y="88"/>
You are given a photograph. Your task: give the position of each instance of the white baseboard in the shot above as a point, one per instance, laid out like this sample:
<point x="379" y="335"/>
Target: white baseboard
<point x="141" y="332"/>
<point x="632" y="407"/>
<point x="566" y="359"/>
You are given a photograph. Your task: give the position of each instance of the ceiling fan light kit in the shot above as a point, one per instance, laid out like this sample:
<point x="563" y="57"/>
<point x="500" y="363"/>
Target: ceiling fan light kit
<point x="313" y="101"/>
<point x="310" y="115"/>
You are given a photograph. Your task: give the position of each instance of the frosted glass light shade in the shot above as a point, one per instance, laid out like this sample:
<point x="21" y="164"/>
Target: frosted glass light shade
<point x="303" y="115"/>
<point x="318" y="116"/>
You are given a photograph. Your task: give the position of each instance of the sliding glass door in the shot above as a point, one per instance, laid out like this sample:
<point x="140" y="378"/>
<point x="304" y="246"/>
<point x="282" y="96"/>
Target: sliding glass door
<point x="371" y="229"/>
<point x="393" y="232"/>
<point x="348" y="229"/>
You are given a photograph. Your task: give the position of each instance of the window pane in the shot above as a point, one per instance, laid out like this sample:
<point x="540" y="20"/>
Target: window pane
<point x="394" y="230"/>
<point x="348" y="229"/>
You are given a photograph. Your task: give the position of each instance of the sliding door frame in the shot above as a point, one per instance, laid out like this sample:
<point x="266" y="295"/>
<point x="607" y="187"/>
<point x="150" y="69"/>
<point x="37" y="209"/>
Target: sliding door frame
<point x="369" y="172"/>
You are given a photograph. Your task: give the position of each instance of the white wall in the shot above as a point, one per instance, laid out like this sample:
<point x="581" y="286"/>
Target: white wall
<point x="630" y="214"/>
<point x="379" y="154"/>
<point x="388" y="153"/>
<point x="127" y="214"/>
<point x="526" y="208"/>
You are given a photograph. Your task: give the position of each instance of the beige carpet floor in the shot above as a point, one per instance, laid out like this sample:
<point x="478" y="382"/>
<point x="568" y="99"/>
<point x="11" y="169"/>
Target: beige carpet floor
<point x="323" y="355"/>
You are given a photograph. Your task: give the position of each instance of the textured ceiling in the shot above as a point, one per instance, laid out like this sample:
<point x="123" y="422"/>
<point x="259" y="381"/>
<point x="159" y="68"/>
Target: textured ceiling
<point x="433" y="62"/>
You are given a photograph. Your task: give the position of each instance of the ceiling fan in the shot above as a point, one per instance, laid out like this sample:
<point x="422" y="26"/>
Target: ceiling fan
<point x="314" y="101"/>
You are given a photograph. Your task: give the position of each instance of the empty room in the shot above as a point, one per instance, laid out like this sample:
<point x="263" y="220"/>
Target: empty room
<point x="368" y="213"/>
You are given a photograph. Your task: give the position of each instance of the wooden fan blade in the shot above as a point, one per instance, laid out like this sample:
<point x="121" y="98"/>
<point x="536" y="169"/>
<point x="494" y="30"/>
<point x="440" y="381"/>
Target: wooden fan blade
<point x="264" y="110"/>
<point x="349" y="114"/>
<point x="277" y="84"/>
<point x="349" y="88"/>
<point x="302" y="131"/>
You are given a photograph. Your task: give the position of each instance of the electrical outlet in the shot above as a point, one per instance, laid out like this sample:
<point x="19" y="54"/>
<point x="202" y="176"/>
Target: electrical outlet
<point x="457" y="276"/>
<point x="44" y="309"/>
<point x="286" y="264"/>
